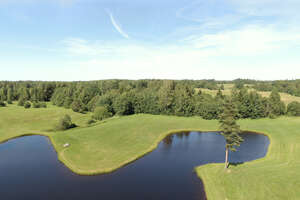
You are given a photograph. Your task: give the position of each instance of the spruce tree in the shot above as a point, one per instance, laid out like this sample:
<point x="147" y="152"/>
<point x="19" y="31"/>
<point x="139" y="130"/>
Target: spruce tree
<point x="229" y="128"/>
<point x="9" y="96"/>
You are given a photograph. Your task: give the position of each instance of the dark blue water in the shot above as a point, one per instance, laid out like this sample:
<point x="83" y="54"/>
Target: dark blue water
<point x="29" y="169"/>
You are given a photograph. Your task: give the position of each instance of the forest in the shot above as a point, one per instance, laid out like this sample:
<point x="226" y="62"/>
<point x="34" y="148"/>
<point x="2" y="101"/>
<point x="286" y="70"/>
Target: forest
<point x="107" y="98"/>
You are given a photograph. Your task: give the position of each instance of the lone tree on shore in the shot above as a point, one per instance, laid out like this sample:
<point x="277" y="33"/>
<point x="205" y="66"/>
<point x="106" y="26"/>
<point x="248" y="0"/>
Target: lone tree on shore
<point x="229" y="128"/>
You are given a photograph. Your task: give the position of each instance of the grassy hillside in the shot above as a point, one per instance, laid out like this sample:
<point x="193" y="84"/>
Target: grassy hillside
<point x="16" y="120"/>
<point x="109" y="145"/>
<point x="286" y="98"/>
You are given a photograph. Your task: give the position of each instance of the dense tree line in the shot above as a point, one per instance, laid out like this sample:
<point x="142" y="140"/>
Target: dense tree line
<point x="125" y="97"/>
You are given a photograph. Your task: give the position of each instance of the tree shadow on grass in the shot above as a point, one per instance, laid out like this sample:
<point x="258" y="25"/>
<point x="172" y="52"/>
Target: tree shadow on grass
<point x="235" y="164"/>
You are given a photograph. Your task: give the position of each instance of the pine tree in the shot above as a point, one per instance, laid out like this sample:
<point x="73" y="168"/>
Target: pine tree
<point x="9" y="96"/>
<point x="277" y="107"/>
<point x="229" y="128"/>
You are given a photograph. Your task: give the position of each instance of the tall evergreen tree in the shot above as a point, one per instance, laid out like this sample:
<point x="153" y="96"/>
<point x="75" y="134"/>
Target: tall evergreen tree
<point x="277" y="107"/>
<point x="9" y="96"/>
<point x="2" y="94"/>
<point x="229" y="128"/>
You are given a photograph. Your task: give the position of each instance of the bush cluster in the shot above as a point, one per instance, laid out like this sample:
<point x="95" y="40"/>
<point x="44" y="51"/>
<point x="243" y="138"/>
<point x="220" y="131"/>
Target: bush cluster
<point x="27" y="104"/>
<point x="65" y="123"/>
<point x="2" y="104"/>
<point x="39" y="105"/>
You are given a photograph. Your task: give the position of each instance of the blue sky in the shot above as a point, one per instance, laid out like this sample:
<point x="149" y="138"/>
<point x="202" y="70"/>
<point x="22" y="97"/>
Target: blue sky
<point x="134" y="39"/>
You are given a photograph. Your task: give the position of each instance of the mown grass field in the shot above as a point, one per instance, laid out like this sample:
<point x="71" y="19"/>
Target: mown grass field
<point x="118" y="141"/>
<point x="286" y="98"/>
<point x="16" y="120"/>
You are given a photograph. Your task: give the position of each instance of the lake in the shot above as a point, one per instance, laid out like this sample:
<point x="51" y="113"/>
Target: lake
<point x="29" y="169"/>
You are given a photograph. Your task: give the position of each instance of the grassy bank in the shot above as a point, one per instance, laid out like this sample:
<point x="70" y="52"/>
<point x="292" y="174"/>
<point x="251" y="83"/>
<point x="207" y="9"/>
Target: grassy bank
<point x="112" y="144"/>
<point x="16" y="121"/>
<point x="276" y="176"/>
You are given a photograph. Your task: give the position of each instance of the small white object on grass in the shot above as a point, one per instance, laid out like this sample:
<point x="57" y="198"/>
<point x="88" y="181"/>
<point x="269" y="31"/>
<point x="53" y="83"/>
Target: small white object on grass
<point x="66" y="145"/>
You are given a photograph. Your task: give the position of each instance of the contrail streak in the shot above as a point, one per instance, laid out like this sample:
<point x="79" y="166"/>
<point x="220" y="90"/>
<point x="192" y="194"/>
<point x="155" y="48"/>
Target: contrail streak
<point x="116" y="25"/>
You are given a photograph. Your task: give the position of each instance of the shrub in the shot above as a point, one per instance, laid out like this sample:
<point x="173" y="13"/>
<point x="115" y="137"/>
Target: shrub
<point x="27" y="104"/>
<point x="36" y="104"/>
<point x="43" y="105"/>
<point x="77" y="106"/>
<point x="39" y="105"/>
<point x="65" y="123"/>
<point x="9" y="102"/>
<point x="21" y="102"/>
<point x="101" y="113"/>
<point x="91" y="121"/>
<point x="293" y="108"/>
<point x="2" y="104"/>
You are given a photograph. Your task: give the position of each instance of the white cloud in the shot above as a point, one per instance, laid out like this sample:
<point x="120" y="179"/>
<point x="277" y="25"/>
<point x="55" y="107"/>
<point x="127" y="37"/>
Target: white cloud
<point x="286" y="8"/>
<point x="250" y="52"/>
<point x="116" y="25"/>
<point x="224" y="14"/>
<point x="81" y="47"/>
<point x="248" y="41"/>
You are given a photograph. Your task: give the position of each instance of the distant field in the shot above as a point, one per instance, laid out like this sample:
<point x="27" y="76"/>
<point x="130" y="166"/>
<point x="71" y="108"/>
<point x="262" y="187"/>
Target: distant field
<point x="107" y="146"/>
<point x="16" y="120"/>
<point x="286" y="98"/>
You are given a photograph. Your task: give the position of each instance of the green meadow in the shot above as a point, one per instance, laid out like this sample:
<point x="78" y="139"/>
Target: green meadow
<point x="286" y="98"/>
<point x="111" y="144"/>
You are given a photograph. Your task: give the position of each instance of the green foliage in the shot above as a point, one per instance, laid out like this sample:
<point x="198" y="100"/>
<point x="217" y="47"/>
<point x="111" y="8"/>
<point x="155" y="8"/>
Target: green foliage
<point x="275" y="106"/>
<point x="65" y="123"/>
<point x="2" y="94"/>
<point x="293" y="109"/>
<point x="291" y="87"/>
<point x="9" y="96"/>
<point x="107" y="100"/>
<point x="222" y="87"/>
<point x="124" y="104"/>
<point x="146" y="101"/>
<point x="207" y="107"/>
<point x="183" y="103"/>
<point x="68" y="102"/>
<point x="238" y="84"/>
<point x="21" y="102"/>
<point x="78" y="106"/>
<point x="39" y="104"/>
<point x="2" y="104"/>
<point x="168" y="97"/>
<point x="27" y="104"/>
<point x="101" y="113"/>
<point x="249" y="104"/>
<point x="91" y="121"/>
<point x="228" y="126"/>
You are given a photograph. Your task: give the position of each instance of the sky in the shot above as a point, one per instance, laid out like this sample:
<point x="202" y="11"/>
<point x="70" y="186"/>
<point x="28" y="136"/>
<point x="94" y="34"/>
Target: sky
<point x="66" y="40"/>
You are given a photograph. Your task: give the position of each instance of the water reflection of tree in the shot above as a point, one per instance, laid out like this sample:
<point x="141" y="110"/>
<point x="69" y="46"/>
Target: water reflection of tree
<point x="179" y="135"/>
<point x="187" y="134"/>
<point x="183" y="134"/>
<point x="168" y="140"/>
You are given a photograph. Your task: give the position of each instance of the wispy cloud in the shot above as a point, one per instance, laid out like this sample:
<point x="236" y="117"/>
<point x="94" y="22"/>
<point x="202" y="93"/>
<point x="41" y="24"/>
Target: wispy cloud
<point x="82" y="47"/>
<point x="246" y="41"/>
<point x="116" y="25"/>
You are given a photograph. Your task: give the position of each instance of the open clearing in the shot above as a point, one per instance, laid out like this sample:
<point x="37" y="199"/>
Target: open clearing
<point x="286" y="98"/>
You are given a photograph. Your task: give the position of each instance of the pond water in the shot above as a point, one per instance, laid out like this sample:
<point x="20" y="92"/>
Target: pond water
<point x="29" y="169"/>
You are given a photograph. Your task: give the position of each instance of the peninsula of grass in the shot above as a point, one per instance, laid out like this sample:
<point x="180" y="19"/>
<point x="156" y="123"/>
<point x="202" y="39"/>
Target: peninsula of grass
<point x="112" y="144"/>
